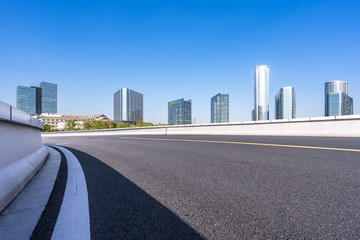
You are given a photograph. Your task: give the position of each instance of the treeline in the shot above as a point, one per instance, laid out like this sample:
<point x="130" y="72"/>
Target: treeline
<point x="73" y="125"/>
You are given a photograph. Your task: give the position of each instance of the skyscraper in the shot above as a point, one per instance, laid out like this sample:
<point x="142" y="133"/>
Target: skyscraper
<point x="26" y="99"/>
<point x="36" y="100"/>
<point x="337" y="100"/>
<point x="285" y="103"/>
<point x="261" y="87"/>
<point x="128" y="105"/>
<point x="38" y="91"/>
<point x="220" y="108"/>
<point x="179" y="112"/>
<point x="49" y="97"/>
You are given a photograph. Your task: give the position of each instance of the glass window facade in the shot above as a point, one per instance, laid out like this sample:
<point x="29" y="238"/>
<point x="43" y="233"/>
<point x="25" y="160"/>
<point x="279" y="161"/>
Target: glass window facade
<point x="220" y="108"/>
<point x="26" y="99"/>
<point x="337" y="100"/>
<point x="49" y="97"/>
<point x="179" y="112"/>
<point x="261" y="87"/>
<point x="285" y="103"/>
<point x="128" y="105"/>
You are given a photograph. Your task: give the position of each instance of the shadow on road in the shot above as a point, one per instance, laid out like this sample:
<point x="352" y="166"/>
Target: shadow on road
<point x="119" y="209"/>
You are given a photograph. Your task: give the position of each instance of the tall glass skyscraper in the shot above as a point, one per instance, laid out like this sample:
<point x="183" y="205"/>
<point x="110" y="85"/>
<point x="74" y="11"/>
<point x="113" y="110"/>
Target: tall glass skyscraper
<point x="337" y="100"/>
<point x="285" y="103"/>
<point x="26" y="99"/>
<point x="49" y="97"/>
<point x="179" y="112"/>
<point x="261" y="86"/>
<point x="128" y="105"/>
<point x="220" y="108"/>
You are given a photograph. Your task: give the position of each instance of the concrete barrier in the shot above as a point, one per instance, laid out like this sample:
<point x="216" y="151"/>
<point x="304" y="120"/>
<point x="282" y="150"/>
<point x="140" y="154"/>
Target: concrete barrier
<point x="21" y="151"/>
<point x="342" y="126"/>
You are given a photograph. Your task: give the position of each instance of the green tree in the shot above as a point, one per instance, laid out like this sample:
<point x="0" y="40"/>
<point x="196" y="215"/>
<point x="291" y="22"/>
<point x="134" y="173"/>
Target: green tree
<point x="111" y="124"/>
<point x="123" y="125"/>
<point x="47" y="128"/>
<point x="70" y="125"/>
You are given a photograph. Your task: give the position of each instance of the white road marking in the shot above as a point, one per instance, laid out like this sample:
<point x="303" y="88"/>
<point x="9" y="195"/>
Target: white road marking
<point x="73" y="221"/>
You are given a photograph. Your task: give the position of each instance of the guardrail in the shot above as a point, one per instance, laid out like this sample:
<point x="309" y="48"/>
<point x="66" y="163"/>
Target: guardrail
<point x="339" y="126"/>
<point x="12" y="114"/>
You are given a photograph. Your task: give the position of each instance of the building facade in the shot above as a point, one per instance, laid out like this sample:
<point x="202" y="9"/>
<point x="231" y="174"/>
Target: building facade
<point x="261" y="93"/>
<point x="179" y="112"/>
<point x="26" y="99"/>
<point x="285" y="103"/>
<point x="36" y="100"/>
<point x="220" y="108"/>
<point x="128" y="105"/>
<point x="58" y="121"/>
<point x="337" y="100"/>
<point x="49" y="97"/>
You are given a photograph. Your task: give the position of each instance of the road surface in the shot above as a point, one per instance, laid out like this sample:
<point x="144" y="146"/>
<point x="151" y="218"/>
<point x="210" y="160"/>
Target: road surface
<point x="220" y="187"/>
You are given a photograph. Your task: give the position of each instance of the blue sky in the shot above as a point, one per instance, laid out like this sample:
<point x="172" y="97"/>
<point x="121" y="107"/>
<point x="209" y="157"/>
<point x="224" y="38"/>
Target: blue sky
<point x="173" y="49"/>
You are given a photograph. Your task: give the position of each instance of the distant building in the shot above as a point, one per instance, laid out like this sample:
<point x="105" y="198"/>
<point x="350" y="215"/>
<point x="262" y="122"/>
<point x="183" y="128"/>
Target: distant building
<point x="36" y="100"/>
<point x="128" y="106"/>
<point x="220" y="108"/>
<point x="337" y="100"/>
<point x="26" y="99"/>
<point x="58" y="121"/>
<point x="285" y="103"/>
<point x="179" y="112"/>
<point x="49" y="97"/>
<point x="261" y="94"/>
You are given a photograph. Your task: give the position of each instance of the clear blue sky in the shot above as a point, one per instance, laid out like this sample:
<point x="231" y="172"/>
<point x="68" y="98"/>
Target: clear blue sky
<point x="173" y="49"/>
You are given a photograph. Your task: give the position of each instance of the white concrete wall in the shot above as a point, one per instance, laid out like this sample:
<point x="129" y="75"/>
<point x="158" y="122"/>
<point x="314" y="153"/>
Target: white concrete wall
<point x="21" y="151"/>
<point x="343" y="126"/>
<point x="17" y="142"/>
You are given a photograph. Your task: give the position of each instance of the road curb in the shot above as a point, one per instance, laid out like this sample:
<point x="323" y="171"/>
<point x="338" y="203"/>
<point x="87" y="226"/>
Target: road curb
<point x="14" y="177"/>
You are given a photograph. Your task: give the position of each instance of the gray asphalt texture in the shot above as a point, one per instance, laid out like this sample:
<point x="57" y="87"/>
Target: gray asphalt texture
<point x="143" y="189"/>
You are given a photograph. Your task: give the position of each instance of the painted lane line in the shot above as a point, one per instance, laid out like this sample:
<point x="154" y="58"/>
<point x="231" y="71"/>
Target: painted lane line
<point x="244" y="143"/>
<point x="73" y="221"/>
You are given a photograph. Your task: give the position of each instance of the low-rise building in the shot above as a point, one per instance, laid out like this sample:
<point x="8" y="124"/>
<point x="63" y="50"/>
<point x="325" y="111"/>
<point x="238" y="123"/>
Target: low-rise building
<point x="58" y="121"/>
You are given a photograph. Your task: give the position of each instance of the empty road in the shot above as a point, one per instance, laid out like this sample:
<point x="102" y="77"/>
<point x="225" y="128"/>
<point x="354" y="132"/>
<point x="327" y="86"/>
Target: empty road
<point x="220" y="187"/>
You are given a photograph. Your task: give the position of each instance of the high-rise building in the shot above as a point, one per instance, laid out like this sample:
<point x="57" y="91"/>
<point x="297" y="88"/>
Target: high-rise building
<point x="220" y="108"/>
<point x="261" y="87"/>
<point x="128" y="105"/>
<point x="337" y="100"/>
<point x="49" y="97"/>
<point x="26" y="99"/>
<point x="285" y="103"/>
<point x="179" y="112"/>
<point x="36" y="100"/>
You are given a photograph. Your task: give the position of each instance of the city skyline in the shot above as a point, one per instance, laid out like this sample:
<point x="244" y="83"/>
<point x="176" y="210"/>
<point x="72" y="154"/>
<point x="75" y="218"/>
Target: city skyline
<point x="167" y="51"/>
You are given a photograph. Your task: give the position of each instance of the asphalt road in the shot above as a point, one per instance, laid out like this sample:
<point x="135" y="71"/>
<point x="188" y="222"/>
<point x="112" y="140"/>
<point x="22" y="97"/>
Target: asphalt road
<point x="157" y="188"/>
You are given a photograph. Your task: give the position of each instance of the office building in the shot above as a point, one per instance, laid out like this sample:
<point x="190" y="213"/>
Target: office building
<point x="26" y="99"/>
<point x="49" y="97"/>
<point x="285" y="103"/>
<point x="179" y="112"/>
<point x="36" y="100"/>
<point x="337" y="100"/>
<point x="220" y="108"/>
<point x="261" y="94"/>
<point x="128" y="106"/>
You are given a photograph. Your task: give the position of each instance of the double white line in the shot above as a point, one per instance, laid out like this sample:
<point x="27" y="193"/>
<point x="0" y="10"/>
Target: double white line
<point x="73" y="221"/>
